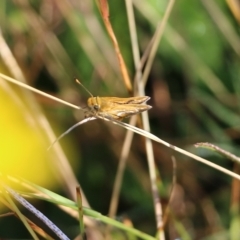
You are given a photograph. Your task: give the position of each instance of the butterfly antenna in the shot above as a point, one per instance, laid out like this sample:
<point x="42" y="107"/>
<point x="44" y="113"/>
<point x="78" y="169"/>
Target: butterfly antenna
<point x="77" y="81"/>
<point x="69" y="130"/>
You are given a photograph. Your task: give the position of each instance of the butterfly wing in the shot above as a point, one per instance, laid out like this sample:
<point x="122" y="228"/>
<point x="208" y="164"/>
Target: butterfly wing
<point x="123" y="111"/>
<point x="130" y="100"/>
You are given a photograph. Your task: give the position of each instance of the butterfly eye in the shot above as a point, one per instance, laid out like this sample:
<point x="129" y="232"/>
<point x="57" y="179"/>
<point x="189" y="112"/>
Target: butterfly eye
<point x="96" y="107"/>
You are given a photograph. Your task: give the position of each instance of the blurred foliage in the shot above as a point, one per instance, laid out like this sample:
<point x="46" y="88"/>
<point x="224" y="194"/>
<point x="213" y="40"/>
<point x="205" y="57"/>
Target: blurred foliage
<point x="194" y="87"/>
<point x="19" y="142"/>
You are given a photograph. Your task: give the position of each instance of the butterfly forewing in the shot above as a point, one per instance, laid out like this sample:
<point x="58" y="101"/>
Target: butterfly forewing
<point x="131" y="100"/>
<point x="121" y="111"/>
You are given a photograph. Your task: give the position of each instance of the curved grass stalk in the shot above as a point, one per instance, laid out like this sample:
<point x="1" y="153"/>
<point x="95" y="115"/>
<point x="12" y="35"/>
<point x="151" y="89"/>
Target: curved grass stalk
<point x="191" y="155"/>
<point x="36" y="212"/>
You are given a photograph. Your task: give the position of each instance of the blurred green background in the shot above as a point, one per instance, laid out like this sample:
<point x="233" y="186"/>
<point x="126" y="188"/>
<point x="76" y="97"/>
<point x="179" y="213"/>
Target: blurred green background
<point x="194" y="85"/>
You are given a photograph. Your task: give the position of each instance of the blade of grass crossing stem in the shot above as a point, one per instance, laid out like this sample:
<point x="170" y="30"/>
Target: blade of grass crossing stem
<point x="19" y="214"/>
<point x="80" y="212"/>
<point x="37" y="213"/>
